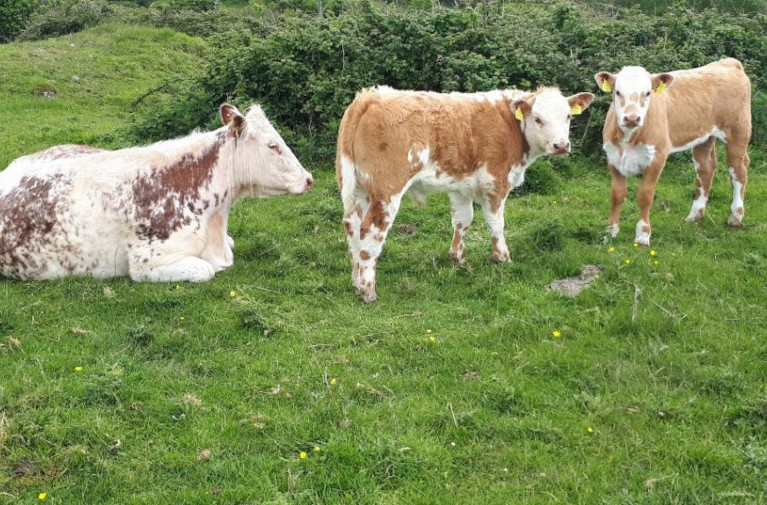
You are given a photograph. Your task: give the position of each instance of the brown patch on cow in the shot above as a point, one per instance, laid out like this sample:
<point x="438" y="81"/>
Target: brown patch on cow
<point x="495" y="244"/>
<point x="28" y="220"/>
<point x="645" y="229"/>
<point x="376" y="217"/>
<point x="167" y="198"/>
<point x="348" y="226"/>
<point x="457" y="243"/>
<point x="364" y="255"/>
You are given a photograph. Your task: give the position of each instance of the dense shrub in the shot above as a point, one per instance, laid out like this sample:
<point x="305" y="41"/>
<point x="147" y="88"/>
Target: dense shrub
<point x="61" y="17"/>
<point x="307" y="70"/>
<point x="14" y="15"/>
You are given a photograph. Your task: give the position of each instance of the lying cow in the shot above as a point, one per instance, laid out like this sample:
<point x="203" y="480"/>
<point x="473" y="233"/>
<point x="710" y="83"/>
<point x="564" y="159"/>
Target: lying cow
<point x="156" y="213"/>
<point x="476" y="147"/>
<point x="654" y="115"/>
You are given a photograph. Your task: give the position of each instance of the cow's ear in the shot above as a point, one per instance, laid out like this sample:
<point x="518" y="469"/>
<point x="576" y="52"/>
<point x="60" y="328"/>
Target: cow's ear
<point x="521" y="109"/>
<point x="661" y="81"/>
<point x="605" y="81"/>
<point x="580" y="102"/>
<point x="232" y="118"/>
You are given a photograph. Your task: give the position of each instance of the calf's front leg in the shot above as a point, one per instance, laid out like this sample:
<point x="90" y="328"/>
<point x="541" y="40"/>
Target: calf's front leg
<point x="493" y="210"/>
<point x="645" y="198"/>
<point x="617" y="197"/>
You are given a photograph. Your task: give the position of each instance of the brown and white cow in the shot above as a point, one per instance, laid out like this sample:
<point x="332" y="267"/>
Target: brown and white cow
<point x="653" y="115"/>
<point x="156" y="213"/>
<point x="476" y="147"/>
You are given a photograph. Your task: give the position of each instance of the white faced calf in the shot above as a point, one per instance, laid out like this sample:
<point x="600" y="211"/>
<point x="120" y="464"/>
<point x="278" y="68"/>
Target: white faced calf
<point x="156" y="213"/>
<point x="476" y="147"/>
<point x="653" y="115"/>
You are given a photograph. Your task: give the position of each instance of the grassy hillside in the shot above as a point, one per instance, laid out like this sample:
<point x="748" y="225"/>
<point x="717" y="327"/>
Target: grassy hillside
<point x="94" y="76"/>
<point x="451" y="389"/>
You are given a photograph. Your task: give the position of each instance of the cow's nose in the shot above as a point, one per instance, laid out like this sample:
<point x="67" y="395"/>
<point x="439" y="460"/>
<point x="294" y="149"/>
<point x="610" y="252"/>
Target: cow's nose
<point x="631" y="120"/>
<point x="309" y="182"/>
<point x="561" y="146"/>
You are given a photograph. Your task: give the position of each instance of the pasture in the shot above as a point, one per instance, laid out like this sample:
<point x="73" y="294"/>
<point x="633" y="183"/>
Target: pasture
<point x="469" y="384"/>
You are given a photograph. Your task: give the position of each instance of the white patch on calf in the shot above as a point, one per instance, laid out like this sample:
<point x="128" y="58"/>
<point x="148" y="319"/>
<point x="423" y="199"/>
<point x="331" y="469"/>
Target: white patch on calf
<point x="736" y="218"/>
<point x="629" y="160"/>
<point x="642" y="237"/>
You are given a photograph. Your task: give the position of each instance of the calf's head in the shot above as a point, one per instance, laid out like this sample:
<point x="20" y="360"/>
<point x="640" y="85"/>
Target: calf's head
<point x="632" y="90"/>
<point x="263" y="165"/>
<point x="545" y="119"/>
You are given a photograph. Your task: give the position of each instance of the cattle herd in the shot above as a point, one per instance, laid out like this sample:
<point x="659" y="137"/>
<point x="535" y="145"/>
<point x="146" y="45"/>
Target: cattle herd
<point x="160" y="213"/>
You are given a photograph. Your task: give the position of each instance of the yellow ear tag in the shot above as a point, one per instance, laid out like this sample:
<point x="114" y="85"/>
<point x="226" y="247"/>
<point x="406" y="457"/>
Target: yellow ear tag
<point x="661" y="88"/>
<point x="576" y="110"/>
<point x="519" y="115"/>
<point x="606" y="86"/>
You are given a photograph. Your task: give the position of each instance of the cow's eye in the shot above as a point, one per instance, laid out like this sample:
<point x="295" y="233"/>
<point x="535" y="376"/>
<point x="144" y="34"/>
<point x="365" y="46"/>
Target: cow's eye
<point x="618" y="93"/>
<point x="275" y="147"/>
<point x="646" y="94"/>
<point x="539" y="121"/>
<point x="569" y="117"/>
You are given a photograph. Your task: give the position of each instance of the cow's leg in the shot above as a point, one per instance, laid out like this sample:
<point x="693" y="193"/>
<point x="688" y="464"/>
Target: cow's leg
<point x="737" y="159"/>
<point x="217" y="250"/>
<point x="375" y="226"/>
<point x="462" y="216"/>
<point x="704" y="158"/>
<point x="175" y="259"/>
<point x="618" y="196"/>
<point x="353" y="223"/>
<point x="493" y="210"/>
<point x="646" y="196"/>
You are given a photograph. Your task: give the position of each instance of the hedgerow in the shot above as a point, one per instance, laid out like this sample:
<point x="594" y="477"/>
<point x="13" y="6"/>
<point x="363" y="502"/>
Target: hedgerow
<point x="307" y="70"/>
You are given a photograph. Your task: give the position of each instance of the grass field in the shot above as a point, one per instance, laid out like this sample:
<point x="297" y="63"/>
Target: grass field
<point x="451" y="389"/>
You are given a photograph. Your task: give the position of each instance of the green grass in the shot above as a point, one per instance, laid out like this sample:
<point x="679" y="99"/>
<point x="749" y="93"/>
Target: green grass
<point x="496" y="410"/>
<point x="96" y="75"/>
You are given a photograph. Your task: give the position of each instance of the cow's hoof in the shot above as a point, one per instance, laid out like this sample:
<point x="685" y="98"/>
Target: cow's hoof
<point x="642" y="242"/>
<point x="368" y="296"/>
<point x="612" y="230"/>
<point x="459" y="258"/>
<point x="500" y="258"/>
<point x="735" y="222"/>
<point x="693" y="218"/>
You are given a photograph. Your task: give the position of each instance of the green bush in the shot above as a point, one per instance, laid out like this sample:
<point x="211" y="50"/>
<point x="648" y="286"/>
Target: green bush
<point x="14" y="15"/>
<point x="65" y="16"/>
<point x="306" y="70"/>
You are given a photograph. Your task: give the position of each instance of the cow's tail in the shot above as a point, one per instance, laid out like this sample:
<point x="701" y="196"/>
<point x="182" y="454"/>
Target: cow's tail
<point x="347" y="171"/>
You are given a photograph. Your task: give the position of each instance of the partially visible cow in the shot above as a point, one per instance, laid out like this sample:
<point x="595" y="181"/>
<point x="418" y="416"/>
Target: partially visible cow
<point x="476" y="147"/>
<point x="156" y="213"/>
<point x="653" y="115"/>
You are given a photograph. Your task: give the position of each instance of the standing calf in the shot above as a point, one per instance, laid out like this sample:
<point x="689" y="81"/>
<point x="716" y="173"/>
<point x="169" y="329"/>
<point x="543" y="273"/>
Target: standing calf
<point x="156" y="213"/>
<point x="476" y="147"/>
<point x="652" y="116"/>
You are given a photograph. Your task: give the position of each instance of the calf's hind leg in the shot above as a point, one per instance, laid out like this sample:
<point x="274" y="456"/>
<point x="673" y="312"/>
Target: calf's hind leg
<point x="737" y="159"/>
<point x="462" y="215"/>
<point x="704" y="157"/>
<point x="375" y="226"/>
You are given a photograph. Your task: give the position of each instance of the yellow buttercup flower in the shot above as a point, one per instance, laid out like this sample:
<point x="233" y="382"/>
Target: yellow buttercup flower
<point x="233" y="294"/>
<point x="653" y="252"/>
<point x="317" y="448"/>
<point x="627" y="261"/>
<point x="590" y="429"/>
<point x="433" y="339"/>
<point x="556" y="333"/>
<point x="611" y="249"/>
<point x="656" y="262"/>
<point x="42" y="496"/>
<point x="78" y="369"/>
<point x="636" y="244"/>
<point x="302" y="455"/>
<point x="333" y="381"/>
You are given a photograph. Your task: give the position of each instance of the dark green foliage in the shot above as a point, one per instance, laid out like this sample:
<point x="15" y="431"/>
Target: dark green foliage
<point x="306" y="70"/>
<point x="14" y="15"/>
<point x="61" y="17"/>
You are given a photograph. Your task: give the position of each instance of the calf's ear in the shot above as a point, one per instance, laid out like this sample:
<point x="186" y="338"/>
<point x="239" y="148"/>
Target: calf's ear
<point x="521" y="109"/>
<point x="661" y="81"/>
<point x="605" y="81"/>
<point x="580" y="102"/>
<point x="231" y="117"/>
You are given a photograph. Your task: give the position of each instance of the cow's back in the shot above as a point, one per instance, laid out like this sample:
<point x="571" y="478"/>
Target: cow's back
<point x="390" y="135"/>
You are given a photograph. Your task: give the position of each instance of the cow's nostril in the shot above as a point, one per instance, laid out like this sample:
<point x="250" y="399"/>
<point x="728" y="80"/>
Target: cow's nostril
<point x="309" y="181"/>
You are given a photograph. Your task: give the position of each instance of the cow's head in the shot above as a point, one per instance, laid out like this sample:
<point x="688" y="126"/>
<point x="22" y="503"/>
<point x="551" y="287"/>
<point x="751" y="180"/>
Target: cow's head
<point x="545" y="119"/>
<point x="632" y="90"/>
<point x="263" y="164"/>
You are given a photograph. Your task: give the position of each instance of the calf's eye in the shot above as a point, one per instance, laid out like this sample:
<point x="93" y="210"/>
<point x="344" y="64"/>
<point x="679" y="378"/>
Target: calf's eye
<point x="539" y="121"/>
<point x="274" y="147"/>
